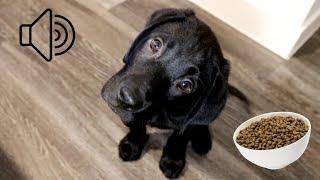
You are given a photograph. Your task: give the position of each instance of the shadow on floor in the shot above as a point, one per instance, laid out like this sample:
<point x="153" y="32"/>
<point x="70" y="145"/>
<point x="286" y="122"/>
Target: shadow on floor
<point x="312" y="45"/>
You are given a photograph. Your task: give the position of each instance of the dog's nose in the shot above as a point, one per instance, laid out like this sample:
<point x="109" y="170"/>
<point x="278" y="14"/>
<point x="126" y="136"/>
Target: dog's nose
<point x="129" y="98"/>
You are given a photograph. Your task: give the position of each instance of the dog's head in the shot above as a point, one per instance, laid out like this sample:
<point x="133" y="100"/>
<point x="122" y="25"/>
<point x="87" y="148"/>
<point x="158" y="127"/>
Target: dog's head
<point x="175" y="67"/>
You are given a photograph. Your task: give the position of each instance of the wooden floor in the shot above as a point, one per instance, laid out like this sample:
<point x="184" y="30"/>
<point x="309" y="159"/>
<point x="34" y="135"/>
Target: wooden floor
<point x="55" y="125"/>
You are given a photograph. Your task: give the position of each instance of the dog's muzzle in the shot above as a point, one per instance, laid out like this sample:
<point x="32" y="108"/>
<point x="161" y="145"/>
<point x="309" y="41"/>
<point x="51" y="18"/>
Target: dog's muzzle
<point x="127" y="95"/>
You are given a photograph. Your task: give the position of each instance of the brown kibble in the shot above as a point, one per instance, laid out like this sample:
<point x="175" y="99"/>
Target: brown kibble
<point x="270" y="133"/>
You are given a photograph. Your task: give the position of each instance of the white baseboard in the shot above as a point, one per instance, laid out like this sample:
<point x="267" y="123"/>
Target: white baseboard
<point x="282" y="26"/>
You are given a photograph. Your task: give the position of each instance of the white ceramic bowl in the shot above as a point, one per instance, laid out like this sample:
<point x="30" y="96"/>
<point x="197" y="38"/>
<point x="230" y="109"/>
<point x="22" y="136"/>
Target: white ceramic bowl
<point x="279" y="157"/>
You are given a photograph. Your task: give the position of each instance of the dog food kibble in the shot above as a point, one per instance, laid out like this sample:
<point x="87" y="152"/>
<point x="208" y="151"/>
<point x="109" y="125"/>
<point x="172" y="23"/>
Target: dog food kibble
<point x="271" y="133"/>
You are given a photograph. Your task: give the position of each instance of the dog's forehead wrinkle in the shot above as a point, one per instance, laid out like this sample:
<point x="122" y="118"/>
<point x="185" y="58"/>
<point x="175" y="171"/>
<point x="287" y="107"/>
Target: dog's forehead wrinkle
<point x="178" y="68"/>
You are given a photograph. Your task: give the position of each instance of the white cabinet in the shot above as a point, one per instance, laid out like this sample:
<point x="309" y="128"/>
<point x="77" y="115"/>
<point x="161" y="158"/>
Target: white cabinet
<point x="282" y="26"/>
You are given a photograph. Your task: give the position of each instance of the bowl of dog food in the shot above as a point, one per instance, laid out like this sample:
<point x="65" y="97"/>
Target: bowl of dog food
<point x="273" y="140"/>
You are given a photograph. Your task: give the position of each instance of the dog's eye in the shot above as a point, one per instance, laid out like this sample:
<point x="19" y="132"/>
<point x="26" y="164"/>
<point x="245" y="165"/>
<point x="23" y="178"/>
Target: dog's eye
<point x="155" y="45"/>
<point x="186" y="86"/>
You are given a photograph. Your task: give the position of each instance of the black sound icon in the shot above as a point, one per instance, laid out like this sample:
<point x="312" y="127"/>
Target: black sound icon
<point x="39" y="35"/>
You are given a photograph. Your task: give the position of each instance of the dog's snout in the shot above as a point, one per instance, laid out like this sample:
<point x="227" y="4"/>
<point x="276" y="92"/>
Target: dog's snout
<point x="130" y="97"/>
<point x="129" y="93"/>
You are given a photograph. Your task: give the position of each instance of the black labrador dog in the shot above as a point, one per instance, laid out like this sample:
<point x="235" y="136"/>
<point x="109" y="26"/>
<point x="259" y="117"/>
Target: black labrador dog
<point x="175" y="77"/>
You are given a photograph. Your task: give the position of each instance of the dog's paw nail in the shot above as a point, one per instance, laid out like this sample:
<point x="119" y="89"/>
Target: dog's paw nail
<point x="129" y="151"/>
<point x="171" y="168"/>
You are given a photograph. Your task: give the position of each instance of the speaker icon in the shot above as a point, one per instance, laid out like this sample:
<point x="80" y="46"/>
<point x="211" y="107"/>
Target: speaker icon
<point x="39" y="35"/>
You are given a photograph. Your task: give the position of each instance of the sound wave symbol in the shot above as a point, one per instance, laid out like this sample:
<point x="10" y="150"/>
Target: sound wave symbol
<point x="63" y="29"/>
<point x="57" y="31"/>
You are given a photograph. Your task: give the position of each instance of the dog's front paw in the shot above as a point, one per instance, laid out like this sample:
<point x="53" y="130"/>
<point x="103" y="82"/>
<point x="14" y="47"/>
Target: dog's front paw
<point x="129" y="150"/>
<point x="201" y="141"/>
<point x="201" y="147"/>
<point x="171" y="168"/>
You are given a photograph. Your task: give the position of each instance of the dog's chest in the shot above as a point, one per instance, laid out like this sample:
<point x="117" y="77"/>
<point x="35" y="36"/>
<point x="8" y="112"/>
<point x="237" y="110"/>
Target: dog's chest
<point x="162" y="122"/>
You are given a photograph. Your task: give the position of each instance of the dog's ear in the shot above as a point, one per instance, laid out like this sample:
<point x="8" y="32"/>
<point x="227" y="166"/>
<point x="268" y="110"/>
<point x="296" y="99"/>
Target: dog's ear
<point x="157" y="18"/>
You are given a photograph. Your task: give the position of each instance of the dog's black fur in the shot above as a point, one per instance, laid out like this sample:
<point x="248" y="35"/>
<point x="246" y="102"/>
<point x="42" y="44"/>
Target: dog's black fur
<point x="146" y="90"/>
